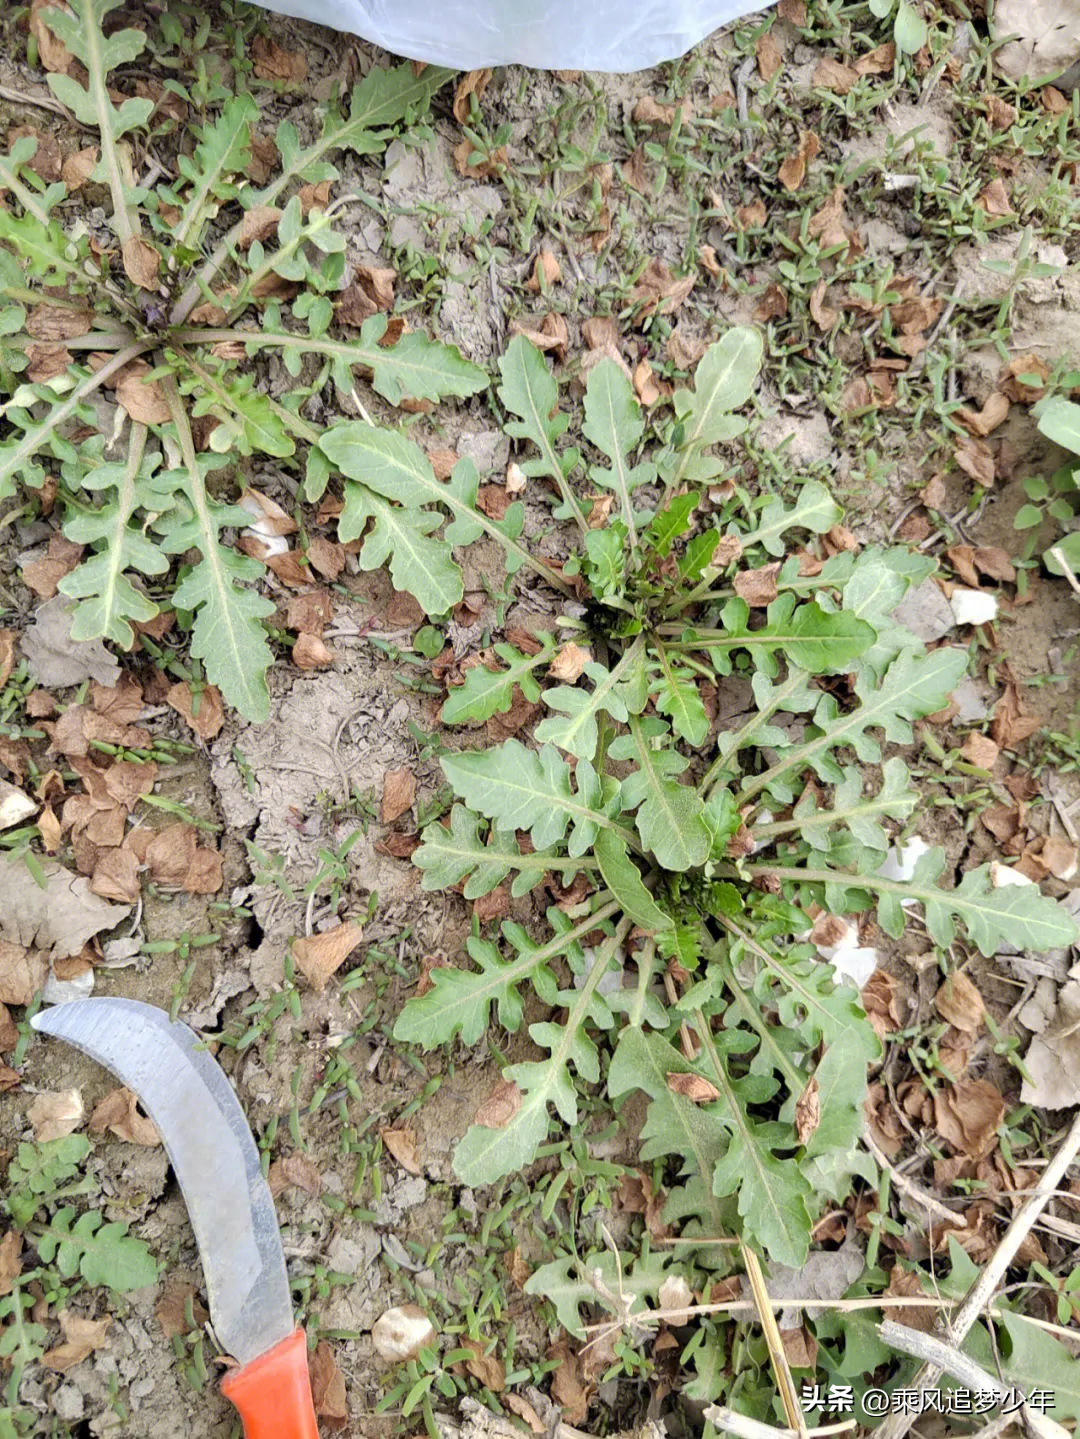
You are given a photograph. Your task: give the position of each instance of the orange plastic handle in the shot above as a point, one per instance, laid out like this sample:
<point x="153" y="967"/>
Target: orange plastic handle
<point x="273" y="1392"/>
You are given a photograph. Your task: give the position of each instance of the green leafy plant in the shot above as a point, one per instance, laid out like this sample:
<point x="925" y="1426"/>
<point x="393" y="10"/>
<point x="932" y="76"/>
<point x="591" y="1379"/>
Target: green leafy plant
<point x="1058" y="498"/>
<point x="42" y="1175"/>
<point x="163" y="315"/>
<point x="909" y="27"/>
<point x="687" y="975"/>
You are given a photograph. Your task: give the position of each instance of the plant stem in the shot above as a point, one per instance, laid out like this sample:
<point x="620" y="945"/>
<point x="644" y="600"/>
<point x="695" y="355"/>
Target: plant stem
<point x="34" y="439"/>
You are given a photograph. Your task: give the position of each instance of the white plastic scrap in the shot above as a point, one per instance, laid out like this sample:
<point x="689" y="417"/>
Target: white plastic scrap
<point x="973" y="607"/>
<point x="850" y="959"/>
<point x="900" y="862"/>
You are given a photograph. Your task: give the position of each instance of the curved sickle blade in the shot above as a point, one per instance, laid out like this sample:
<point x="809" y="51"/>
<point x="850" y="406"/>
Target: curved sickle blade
<point x="213" y="1155"/>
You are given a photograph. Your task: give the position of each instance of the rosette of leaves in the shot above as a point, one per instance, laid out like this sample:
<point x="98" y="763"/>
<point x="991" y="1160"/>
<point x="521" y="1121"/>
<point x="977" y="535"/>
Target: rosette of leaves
<point x="687" y="974"/>
<point x="194" y="277"/>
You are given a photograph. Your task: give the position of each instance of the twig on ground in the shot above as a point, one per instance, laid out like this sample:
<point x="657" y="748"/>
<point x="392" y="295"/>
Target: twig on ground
<point x="745" y="1428"/>
<point x="42" y="102"/>
<point x="959" y="1367"/>
<point x="913" y="1190"/>
<point x="977" y="1297"/>
<point x="1070" y="574"/>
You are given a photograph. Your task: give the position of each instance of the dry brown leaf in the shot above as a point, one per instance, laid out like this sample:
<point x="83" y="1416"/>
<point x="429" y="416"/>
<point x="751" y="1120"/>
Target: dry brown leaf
<point x="268" y="517"/>
<point x="569" y="664"/>
<point x="794" y="12"/>
<point x="119" y="1113"/>
<point x="171" y="1310"/>
<point x="967" y="1115"/>
<point x="975" y="458"/>
<point x="7" y="660"/>
<point x="1000" y="113"/>
<point x="552" y="334"/>
<point x="903" y="1283"/>
<point x="78" y="167"/>
<point x="46" y="361"/>
<point x="488" y="1368"/>
<point x="295" y="1171"/>
<point x="81" y="1338"/>
<point x="401" y="1142"/>
<point x="769" y="57"/>
<point x="693" y="1087"/>
<point x="568" y="1387"/>
<point x="879" y="61"/>
<point x="493" y="905"/>
<point x="52" y="52"/>
<point x="1053" y="100"/>
<point x="757" y="587"/>
<point x="22" y="973"/>
<point x="205" y="874"/>
<point x="980" y="750"/>
<point x="980" y="422"/>
<point x="994" y="561"/>
<point x="116" y="876"/>
<point x="960" y="1003"/>
<point x="144" y="402"/>
<point x="752" y="216"/>
<point x="58" y="322"/>
<point x="310" y="613"/>
<point x="800" y="1347"/>
<point x="546" y="271"/>
<point x="832" y="75"/>
<point x="46" y="161"/>
<point x="808" y="1111"/>
<point x="274" y="63"/>
<point x="326" y="557"/>
<point x="994" y="199"/>
<point x="371" y="293"/>
<point x="645" y="386"/>
<point x="170" y="853"/>
<point x="44" y="575"/>
<point x="328" y="1388"/>
<point x="9" y="1031"/>
<point x="1024" y="379"/>
<point x="321" y="955"/>
<point x="962" y="559"/>
<point x="54" y="1114"/>
<point x="1012" y="724"/>
<point x="827" y="224"/>
<point x="474" y="83"/>
<point x="648" y="111"/>
<point x="264" y="153"/>
<point x="127" y="782"/>
<point x="314" y="197"/>
<point x="881" y="1002"/>
<point x="915" y="314"/>
<point x="259" y="223"/>
<point x="399" y="794"/>
<point x="658" y="289"/>
<point x="309" y="652"/>
<point x="793" y="171"/>
<point x="499" y="1108"/>
<point x="522" y="1408"/>
<point x="141" y="262"/>
<point x="773" y="305"/>
<point x="205" y="714"/>
<point x="600" y="331"/>
<point x="10" y="1261"/>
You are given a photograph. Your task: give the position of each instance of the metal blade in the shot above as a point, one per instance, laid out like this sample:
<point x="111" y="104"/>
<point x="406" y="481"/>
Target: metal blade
<point x="213" y="1155"/>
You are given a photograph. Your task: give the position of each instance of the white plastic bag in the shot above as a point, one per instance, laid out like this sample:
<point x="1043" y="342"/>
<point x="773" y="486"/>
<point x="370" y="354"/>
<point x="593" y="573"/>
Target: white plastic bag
<point x="619" y="35"/>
